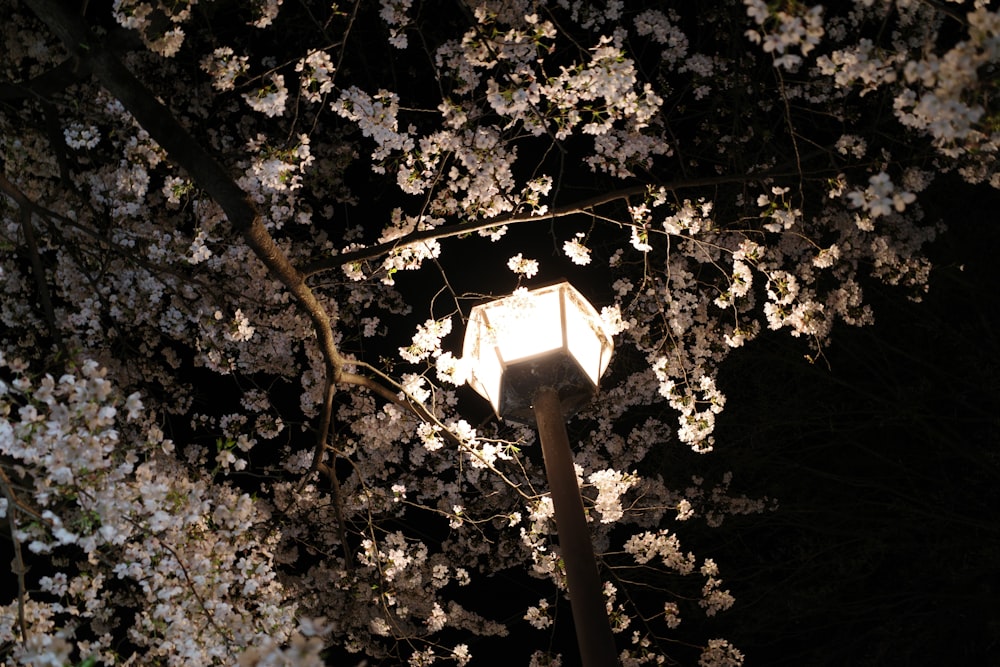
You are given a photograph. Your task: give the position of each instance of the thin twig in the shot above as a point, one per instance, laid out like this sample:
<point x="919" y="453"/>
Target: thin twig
<point x="463" y="228"/>
<point x="420" y="411"/>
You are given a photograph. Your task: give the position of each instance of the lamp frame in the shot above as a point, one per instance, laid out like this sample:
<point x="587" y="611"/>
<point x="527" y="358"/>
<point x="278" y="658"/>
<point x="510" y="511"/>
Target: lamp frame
<point x="557" y="367"/>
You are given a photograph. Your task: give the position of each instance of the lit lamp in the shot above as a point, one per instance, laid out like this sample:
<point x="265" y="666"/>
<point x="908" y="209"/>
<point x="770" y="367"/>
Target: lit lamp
<point x="537" y="357"/>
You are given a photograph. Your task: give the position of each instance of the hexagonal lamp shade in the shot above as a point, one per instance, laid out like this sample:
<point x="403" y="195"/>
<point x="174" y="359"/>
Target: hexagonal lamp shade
<point x="546" y="337"/>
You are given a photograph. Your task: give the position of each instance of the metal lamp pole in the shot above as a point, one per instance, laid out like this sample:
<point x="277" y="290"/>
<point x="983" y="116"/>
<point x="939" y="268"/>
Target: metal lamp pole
<point x="537" y="358"/>
<point x="593" y="630"/>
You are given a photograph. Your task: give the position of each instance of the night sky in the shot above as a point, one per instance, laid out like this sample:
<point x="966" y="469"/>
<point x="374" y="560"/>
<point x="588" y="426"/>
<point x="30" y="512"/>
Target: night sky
<point x="884" y="460"/>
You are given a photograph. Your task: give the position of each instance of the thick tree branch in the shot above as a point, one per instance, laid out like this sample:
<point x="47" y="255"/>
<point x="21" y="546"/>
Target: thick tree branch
<point x="26" y="207"/>
<point x="18" y="567"/>
<point x="331" y="470"/>
<point x="205" y="170"/>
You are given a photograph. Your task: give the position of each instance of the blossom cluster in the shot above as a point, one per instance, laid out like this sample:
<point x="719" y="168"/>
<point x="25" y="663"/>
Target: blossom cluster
<point x="141" y="16"/>
<point x="783" y="31"/>
<point x="427" y="341"/>
<point x="394" y="13"/>
<point x="92" y="472"/>
<point x="316" y="72"/>
<point x="879" y="199"/>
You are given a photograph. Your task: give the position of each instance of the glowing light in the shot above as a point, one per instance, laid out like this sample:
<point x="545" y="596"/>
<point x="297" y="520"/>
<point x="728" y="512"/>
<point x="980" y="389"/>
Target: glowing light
<point x="551" y="336"/>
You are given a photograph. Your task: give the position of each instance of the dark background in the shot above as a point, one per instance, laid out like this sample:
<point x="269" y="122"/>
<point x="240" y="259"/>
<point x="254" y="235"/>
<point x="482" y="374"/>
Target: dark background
<point x="885" y="549"/>
<point x="884" y="459"/>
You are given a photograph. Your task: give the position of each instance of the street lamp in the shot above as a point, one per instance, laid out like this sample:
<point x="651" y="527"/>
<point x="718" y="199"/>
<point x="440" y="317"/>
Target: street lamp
<point x="537" y="357"/>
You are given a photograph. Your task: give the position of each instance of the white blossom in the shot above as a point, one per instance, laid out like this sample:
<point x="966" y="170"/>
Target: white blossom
<point x="576" y="251"/>
<point x="270" y="99"/>
<point x="522" y="266"/>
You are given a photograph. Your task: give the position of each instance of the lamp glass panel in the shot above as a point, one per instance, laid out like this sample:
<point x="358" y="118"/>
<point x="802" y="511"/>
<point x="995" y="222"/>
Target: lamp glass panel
<point x="479" y="348"/>
<point x="585" y="336"/>
<point x="606" y="356"/>
<point x="526" y="325"/>
<point x="529" y="326"/>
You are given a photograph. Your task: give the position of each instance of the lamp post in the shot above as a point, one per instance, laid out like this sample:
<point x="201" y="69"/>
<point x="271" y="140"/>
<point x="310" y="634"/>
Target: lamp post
<point x="537" y="357"/>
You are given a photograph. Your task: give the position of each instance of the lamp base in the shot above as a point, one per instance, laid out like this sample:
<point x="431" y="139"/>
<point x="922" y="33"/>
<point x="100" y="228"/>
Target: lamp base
<point x="560" y="372"/>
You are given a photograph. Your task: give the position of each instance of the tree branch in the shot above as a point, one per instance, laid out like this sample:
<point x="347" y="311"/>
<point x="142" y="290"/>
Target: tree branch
<point x="26" y="207"/>
<point x="18" y="567"/>
<point x="464" y="228"/>
<point x="581" y="207"/>
<point x="331" y="471"/>
<point x="212" y="177"/>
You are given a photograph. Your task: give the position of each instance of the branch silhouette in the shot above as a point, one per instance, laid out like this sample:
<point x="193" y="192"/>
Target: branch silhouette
<point x="580" y="207"/>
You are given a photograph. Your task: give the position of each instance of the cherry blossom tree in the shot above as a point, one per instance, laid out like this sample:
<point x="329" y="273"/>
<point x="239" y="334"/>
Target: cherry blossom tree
<point x="239" y="241"/>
